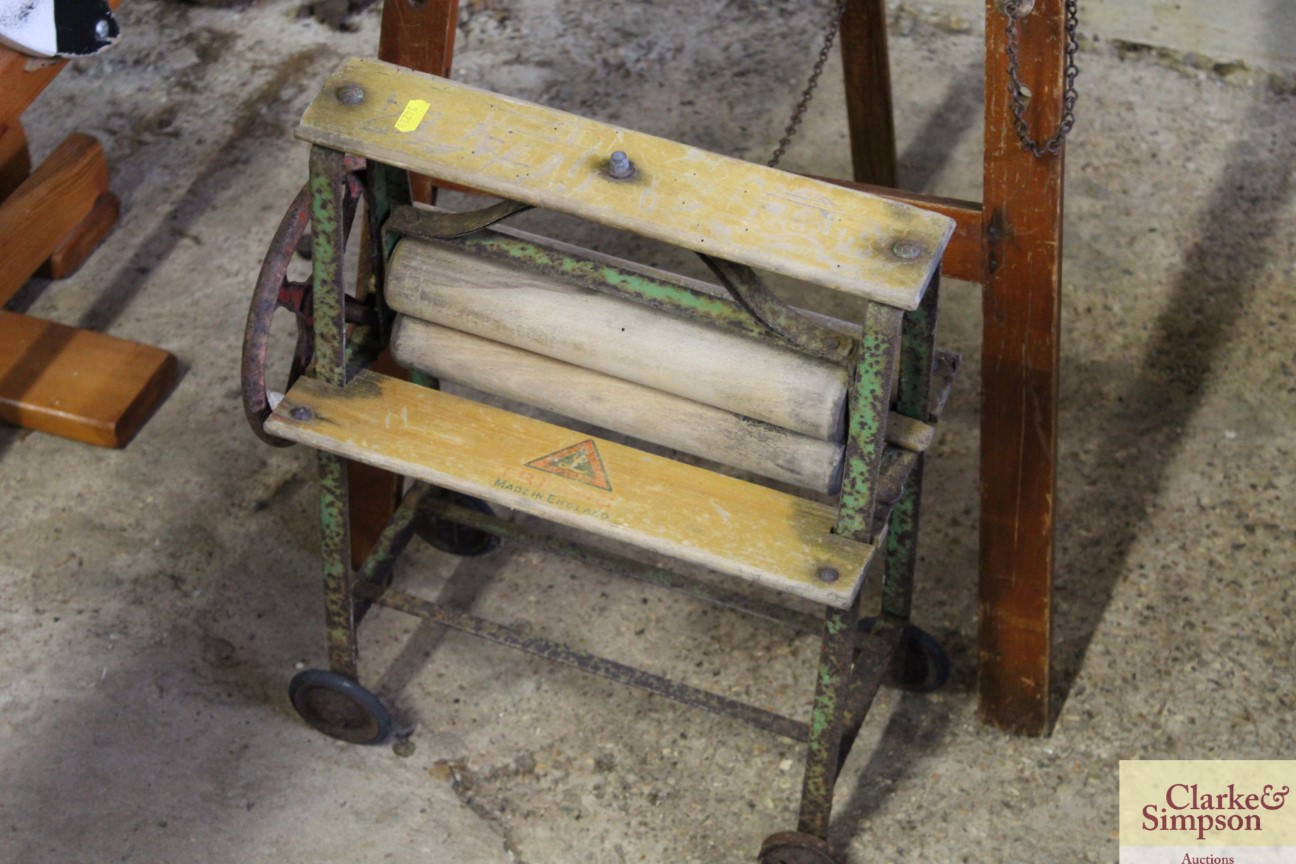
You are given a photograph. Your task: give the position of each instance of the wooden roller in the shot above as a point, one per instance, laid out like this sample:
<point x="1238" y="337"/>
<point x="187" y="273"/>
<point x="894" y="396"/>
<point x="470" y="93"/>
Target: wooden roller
<point x="622" y="406"/>
<point x="504" y="303"/>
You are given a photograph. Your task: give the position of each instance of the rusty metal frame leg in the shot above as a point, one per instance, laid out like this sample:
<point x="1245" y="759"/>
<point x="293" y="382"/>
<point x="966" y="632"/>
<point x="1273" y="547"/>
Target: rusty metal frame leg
<point x="917" y="366"/>
<point x="1021" y="305"/>
<point x="328" y="237"/>
<point x="828" y="719"/>
<point x="870" y="399"/>
<point x="339" y="601"/>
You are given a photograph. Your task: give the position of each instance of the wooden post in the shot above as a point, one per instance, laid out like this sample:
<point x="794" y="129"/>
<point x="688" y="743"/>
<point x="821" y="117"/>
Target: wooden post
<point x="1023" y="219"/>
<point x="418" y="34"/>
<point x="868" y="92"/>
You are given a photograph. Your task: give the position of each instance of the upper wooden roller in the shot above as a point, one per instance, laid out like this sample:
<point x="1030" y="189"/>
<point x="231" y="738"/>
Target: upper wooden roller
<point x="857" y="243"/>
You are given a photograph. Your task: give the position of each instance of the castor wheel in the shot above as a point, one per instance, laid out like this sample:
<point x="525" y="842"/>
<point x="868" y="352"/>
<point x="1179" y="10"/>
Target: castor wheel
<point x="793" y="847"/>
<point x="920" y="664"/>
<point x="339" y="707"/>
<point x="462" y="540"/>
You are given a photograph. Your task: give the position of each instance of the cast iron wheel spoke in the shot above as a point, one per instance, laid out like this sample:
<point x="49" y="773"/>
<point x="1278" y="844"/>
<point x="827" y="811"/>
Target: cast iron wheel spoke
<point x="274" y="290"/>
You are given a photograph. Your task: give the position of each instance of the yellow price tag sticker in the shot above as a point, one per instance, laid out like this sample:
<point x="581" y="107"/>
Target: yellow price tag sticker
<point x="412" y="116"/>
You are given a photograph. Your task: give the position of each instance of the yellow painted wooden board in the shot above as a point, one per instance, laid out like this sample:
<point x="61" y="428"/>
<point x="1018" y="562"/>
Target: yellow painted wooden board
<point x="797" y="226"/>
<point x="776" y="540"/>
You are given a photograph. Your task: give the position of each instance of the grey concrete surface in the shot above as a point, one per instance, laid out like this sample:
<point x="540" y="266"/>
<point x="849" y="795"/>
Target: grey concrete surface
<point x="154" y="601"/>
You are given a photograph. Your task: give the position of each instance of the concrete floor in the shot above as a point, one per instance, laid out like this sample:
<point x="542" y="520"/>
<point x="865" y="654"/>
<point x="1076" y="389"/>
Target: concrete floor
<point x="155" y="601"/>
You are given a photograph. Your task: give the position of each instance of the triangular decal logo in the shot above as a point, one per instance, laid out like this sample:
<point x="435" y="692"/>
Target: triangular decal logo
<point x="580" y="462"/>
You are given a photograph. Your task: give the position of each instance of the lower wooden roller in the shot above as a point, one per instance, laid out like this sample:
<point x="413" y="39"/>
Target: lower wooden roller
<point x="541" y="313"/>
<point x="622" y="406"/>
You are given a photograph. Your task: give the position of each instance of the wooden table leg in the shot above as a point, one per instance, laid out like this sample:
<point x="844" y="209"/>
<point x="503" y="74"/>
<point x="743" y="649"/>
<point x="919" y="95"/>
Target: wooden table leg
<point x="418" y="34"/>
<point x="1023" y="212"/>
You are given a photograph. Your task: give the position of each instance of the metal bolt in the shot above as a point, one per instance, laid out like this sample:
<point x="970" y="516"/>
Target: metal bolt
<point x="1016" y="9"/>
<point x="620" y="167"/>
<point x="301" y="412"/>
<point x="907" y="250"/>
<point x="828" y="574"/>
<point x="350" y="94"/>
<point x="103" y="29"/>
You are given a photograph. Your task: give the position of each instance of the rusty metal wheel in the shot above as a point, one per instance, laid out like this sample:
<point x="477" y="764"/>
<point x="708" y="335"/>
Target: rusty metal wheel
<point x="919" y="665"/>
<point x="794" y="847"/>
<point x="462" y="540"/>
<point x="339" y="707"/>
<point x="275" y="290"/>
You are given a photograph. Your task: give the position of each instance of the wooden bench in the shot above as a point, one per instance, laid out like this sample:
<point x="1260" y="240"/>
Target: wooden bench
<point x="836" y="414"/>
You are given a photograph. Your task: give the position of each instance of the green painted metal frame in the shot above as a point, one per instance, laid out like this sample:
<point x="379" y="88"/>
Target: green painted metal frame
<point x="851" y="665"/>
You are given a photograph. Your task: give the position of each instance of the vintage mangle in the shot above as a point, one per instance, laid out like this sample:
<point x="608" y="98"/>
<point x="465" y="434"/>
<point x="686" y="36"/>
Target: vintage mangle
<point x="837" y="415"/>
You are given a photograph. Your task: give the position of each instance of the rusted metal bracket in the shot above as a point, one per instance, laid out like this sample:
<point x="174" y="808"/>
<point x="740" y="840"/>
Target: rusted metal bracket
<point x="808" y="335"/>
<point x="427" y="224"/>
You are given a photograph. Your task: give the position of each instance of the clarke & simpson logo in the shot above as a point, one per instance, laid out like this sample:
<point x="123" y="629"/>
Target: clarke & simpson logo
<point x="1194" y="812"/>
<point x="1186" y="808"/>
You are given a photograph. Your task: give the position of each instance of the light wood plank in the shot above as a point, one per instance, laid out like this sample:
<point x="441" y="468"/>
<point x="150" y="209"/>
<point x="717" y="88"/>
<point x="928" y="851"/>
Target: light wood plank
<point x="768" y="537"/>
<point x="77" y="383"/>
<point x="797" y="226"/>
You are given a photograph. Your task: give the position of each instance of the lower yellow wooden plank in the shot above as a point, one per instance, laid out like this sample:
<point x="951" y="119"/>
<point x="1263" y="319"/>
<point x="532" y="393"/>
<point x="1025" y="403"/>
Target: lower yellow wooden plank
<point x="773" y="539"/>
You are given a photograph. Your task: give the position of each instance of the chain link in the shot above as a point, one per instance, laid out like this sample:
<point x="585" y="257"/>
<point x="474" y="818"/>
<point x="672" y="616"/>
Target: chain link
<point x="1014" y="10"/>
<point x="798" y="113"/>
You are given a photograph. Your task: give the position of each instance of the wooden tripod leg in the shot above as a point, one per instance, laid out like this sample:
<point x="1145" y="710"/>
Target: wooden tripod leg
<point x="1023" y="212"/>
<point x="419" y="35"/>
<point x="868" y="92"/>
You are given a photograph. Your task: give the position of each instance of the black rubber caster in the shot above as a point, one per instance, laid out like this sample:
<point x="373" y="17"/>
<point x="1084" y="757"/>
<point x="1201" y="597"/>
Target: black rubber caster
<point x="461" y="540"/>
<point x="793" y="847"/>
<point x="920" y="665"/>
<point x="339" y="707"/>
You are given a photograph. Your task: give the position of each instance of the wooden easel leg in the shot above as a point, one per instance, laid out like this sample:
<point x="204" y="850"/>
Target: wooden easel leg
<point x="418" y="35"/>
<point x="868" y="92"/>
<point x="1023" y="213"/>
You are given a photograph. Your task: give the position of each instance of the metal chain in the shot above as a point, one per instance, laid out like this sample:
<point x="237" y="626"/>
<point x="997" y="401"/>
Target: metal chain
<point x="1015" y="9"/>
<point x="798" y="113"/>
